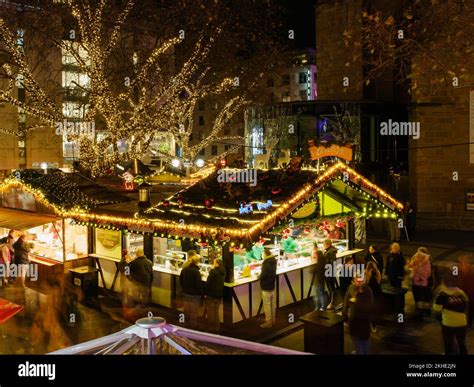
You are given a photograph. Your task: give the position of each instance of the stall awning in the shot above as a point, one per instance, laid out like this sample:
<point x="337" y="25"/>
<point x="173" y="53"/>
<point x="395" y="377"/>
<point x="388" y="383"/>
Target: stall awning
<point x="21" y="221"/>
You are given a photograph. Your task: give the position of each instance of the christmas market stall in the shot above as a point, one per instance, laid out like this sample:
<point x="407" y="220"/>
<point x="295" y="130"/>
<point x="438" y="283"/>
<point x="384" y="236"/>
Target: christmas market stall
<point x="234" y="213"/>
<point x="38" y="204"/>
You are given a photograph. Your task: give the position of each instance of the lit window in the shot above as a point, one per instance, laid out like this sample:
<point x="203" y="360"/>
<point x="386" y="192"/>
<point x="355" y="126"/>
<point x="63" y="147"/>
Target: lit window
<point x="303" y="77"/>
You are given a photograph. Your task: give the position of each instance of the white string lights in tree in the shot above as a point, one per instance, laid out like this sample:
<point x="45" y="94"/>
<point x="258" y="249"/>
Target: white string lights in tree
<point x="134" y="111"/>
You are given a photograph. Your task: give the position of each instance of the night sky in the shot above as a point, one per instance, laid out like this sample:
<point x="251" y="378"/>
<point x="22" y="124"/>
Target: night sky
<point x="300" y="16"/>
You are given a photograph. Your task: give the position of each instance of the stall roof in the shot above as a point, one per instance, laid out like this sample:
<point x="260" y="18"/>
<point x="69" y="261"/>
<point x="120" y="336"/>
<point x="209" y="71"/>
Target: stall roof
<point x="22" y="220"/>
<point x="63" y="191"/>
<point x="216" y="209"/>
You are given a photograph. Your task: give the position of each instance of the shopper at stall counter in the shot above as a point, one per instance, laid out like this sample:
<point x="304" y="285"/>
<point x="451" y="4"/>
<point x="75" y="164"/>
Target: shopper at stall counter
<point x="267" y="284"/>
<point x="374" y="256"/>
<point x="6" y="259"/>
<point x="11" y="234"/>
<point x="214" y="293"/>
<point x="191" y="283"/>
<point x="190" y="256"/>
<point x="358" y="311"/>
<point x="319" y="280"/>
<point x="21" y="257"/>
<point x="330" y="255"/>
<point x="141" y="276"/>
<point x="453" y="304"/>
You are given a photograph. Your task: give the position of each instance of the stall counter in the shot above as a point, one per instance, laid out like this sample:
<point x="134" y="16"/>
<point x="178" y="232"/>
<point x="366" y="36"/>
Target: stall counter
<point x="243" y="296"/>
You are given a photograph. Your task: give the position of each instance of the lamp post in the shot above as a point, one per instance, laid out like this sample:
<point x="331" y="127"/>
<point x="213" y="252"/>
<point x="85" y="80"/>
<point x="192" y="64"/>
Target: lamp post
<point x="144" y="193"/>
<point x="44" y="167"/>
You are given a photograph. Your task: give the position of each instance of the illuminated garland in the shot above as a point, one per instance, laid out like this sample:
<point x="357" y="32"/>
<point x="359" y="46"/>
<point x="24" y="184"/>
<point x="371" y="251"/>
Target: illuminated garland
<point x="53" y="190"/>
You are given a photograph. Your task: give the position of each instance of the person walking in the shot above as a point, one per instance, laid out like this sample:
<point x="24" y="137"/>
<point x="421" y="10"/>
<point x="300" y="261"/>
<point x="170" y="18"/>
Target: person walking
<point x="395" y="271"/>
<point x="373" y="279"/>
<point x="21" y="257"/>
<point x="267" y="284"/>
<point x="6" y="259"/>
<point x="453" y="304"/>
<point x="124" y="270"/>
<point x="420" y="272"/>
<point x="374" y="256"/>
<point x="330" y="256"/>
<point x="358" y="311"/>
<point x="466" y="274"/>
<point x="215" y="293"/>
<point x="191" y="283"/>
<point x="410" y="219"/>
<point x="319" y="279"/>
<point x="141" y="277"/>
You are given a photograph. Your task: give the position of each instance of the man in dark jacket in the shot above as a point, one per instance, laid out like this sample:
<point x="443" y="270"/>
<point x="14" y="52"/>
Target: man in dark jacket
<point x="215" y="292"/>
<point x="21" y="257"/>
<point x="374" y="256"/>
<point x="267" y="284"/>
<point x="330" y="256"/>
<point x="395" y="271"/>
<point x="395" y="266"/>
<point x="358" y="311"/>
<point x="141" y="276"/>
<point x="191" y="283"/>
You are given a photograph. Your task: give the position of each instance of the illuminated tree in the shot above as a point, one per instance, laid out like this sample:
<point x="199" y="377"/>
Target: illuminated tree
<point x="141" y="80"/>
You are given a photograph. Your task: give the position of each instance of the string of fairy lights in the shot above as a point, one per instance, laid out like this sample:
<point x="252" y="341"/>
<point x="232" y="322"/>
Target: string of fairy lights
<point x="83" y="215"/>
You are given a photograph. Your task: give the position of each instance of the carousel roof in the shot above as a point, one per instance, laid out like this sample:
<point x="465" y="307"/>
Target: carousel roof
<point x="153" y="336"/>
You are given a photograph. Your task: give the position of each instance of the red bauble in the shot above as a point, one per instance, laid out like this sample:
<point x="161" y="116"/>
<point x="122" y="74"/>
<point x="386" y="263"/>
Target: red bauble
<point x="165" y="203"/>
<point x="209" y="203"/>
<point x="276" y="191"/>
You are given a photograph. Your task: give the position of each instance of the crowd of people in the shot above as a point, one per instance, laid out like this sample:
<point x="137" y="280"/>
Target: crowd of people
<point x="448" y="295"/>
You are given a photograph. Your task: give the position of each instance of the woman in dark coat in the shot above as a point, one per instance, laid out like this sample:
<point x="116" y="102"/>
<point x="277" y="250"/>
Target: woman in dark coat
<point x="358" y="310"/>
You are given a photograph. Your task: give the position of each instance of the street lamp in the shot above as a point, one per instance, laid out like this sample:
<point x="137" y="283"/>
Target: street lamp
<point x="44" y="167"/>
<point x="175" y="163"/>
<point x="144" y="200"/>
<point x="199" y="163"/>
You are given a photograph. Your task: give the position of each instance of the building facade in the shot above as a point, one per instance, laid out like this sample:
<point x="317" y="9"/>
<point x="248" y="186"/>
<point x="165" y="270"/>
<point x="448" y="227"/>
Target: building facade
<point x="440" y="159"/>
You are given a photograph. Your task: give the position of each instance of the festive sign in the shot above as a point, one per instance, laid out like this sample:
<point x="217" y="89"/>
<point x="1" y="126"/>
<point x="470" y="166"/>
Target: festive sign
<point x="318" y="152"/>
<point x="108" y="243"/>
<point x="128" y="181"/>
<point x="245" y="208"/>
